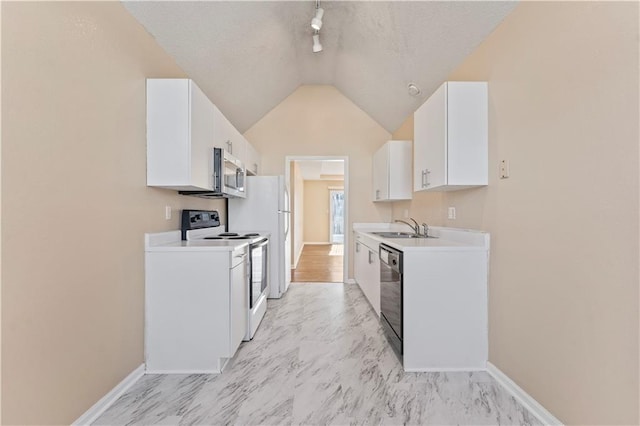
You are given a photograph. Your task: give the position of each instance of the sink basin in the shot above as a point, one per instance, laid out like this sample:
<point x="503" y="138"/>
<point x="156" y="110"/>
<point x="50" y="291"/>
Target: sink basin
<point x="389" y="234"/>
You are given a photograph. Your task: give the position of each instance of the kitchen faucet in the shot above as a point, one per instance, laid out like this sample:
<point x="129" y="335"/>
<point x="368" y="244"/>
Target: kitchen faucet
<point x="416" y="228"/>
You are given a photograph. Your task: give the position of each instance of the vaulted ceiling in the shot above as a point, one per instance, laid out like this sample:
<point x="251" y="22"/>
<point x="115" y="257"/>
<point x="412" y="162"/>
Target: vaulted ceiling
<point x="247" y="56"/>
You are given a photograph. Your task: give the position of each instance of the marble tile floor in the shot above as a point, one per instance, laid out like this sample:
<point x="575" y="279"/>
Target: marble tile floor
<point x="318" y="358"/>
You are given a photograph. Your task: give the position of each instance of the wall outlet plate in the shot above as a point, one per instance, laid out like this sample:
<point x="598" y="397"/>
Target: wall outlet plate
<point x="451" y="213"/>
<point x="167" y="212"/>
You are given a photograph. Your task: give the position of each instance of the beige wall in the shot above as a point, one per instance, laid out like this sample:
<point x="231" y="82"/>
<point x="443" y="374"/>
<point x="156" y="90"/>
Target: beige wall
<point x="297" y="212"/>
<point x="316" y="209"/>
<point x="319" y="120"/>
<point x="563" y="304"/>
<point x="75" y="204"/>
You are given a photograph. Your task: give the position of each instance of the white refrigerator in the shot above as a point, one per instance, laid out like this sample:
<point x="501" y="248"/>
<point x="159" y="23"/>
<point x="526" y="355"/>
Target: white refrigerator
<point x="266" y="209"/>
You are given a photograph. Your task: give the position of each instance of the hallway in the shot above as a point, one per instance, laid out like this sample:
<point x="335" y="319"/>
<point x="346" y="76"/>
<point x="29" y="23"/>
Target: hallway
<point x="320" y="263"/>
<point x="319" y="357"/>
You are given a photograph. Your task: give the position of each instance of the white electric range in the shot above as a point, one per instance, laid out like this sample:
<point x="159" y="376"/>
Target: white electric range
<point x="205" y="226"/>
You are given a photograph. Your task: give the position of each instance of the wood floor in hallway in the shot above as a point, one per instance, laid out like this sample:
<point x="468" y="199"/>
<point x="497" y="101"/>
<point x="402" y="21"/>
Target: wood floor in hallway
<point x="319" y="263"/>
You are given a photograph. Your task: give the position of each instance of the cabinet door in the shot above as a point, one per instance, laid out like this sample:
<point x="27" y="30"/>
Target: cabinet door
<point x="358" y="264"/>
<point x="430" y="142"/>
<point x="467" y="133"/>
<point x="252" y="161"/>
<point x="168" y="121"/>
<point x="238" y="147"/>
<point x="399" y="170"/>
<point x="202" y="132"/>
<point x="239" y="304"/>
<point x="222" y="130"/>
<point x="373" y="280"/>
<point x="380" y="171"/>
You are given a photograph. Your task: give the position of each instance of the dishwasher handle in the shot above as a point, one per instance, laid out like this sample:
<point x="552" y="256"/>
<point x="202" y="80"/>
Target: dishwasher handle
<point x="391" y="257"/>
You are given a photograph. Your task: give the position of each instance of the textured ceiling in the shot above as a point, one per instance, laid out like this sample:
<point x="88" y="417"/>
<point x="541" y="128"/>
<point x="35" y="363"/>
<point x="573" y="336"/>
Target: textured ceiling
<point x="248" y="56"/>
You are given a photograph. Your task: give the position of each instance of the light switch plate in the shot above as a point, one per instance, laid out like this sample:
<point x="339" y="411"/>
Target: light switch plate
<point x="504" y="169"/>
<point x="167" y="212"/>
<point x="452" y="213"/>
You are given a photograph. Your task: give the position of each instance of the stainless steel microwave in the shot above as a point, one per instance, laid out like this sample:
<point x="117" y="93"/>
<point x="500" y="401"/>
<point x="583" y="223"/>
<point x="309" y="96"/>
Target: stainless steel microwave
<point x="229" y="177"/>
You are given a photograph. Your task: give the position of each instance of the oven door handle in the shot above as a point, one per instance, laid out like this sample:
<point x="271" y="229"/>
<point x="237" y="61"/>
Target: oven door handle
<point x="260" y="243"/>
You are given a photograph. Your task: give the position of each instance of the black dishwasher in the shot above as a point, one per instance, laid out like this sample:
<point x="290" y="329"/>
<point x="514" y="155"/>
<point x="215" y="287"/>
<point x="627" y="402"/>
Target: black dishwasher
<point x="391" y="296"/>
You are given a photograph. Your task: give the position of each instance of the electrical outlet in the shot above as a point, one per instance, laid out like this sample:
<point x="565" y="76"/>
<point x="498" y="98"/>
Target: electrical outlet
<point x="504" y="169"/>
<point x="452" y="213"/>
<point x="167" y="212"/>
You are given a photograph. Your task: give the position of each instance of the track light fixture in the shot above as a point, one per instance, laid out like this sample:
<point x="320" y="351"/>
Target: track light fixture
<point x="317" y="47"/>
<point x="316" y="24"/>
<point x="316" y="21"/>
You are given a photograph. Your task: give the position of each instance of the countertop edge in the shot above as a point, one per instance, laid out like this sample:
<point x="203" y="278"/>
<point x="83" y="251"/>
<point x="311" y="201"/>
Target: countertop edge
<point x="395" y="243"/>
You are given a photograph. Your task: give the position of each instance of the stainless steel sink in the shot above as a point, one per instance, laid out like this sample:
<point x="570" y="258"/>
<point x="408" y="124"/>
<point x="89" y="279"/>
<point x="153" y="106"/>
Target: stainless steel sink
<point x="388" y="234"/>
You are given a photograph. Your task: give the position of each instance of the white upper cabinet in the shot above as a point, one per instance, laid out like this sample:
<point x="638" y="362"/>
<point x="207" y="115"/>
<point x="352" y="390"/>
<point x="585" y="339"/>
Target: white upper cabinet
<point x="180" y="130"/>
<point x="183" y="127"/>
<point x="252" y="160"/>
<point x="451" y="138"/>
<point x="392" y="172"/>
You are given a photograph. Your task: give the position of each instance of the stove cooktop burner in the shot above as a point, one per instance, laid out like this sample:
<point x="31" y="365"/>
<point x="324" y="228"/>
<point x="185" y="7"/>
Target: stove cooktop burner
<point x="239" y="237"/>
<point x="229" y="234"/>
<point x="252" y="234"/>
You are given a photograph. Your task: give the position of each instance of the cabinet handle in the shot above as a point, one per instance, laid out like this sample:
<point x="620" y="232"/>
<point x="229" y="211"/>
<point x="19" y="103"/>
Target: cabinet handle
<point x="230" y="147"/>
<point x="240" y="256"/>
<point x="425" y="178"/>
<point x="357" y="247"/>
<point x="370" y="261"/>
<point x="377" y="194"/>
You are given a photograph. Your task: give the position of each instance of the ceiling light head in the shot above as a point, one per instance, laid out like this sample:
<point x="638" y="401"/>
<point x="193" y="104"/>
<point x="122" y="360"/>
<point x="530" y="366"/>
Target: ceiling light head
<point x="316" y="22"/>
<point x="413" y="89"/>
<point x="317" y="47"/>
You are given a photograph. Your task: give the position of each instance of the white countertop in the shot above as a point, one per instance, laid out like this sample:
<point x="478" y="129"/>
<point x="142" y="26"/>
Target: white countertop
<point x="447" y="238"/>
<point x="171" y="241"/>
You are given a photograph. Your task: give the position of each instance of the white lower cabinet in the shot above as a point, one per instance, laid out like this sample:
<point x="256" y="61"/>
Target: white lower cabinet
<point x="444" y="296"/>
<point x="196" y="306"/>
<point x="367" y="270"/>
<point x="445" y="310"/>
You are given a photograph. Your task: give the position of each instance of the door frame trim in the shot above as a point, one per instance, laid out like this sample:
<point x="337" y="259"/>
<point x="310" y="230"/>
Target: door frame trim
<point x="287" y="176"/>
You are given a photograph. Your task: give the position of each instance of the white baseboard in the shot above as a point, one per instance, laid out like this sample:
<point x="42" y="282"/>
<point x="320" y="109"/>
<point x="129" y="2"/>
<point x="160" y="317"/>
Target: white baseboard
<point x="317" y="243"/>
<point x="105" y="402"/>
<point x="297" y="257"/>
<point x="350" y="281"/>
<point x="443" y="370"/>
<point x="522" y="397"/>
<point x="183" y="371"/>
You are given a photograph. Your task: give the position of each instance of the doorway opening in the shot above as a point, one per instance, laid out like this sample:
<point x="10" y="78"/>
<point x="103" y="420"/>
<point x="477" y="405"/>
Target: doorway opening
<point x="319" y="194"/>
